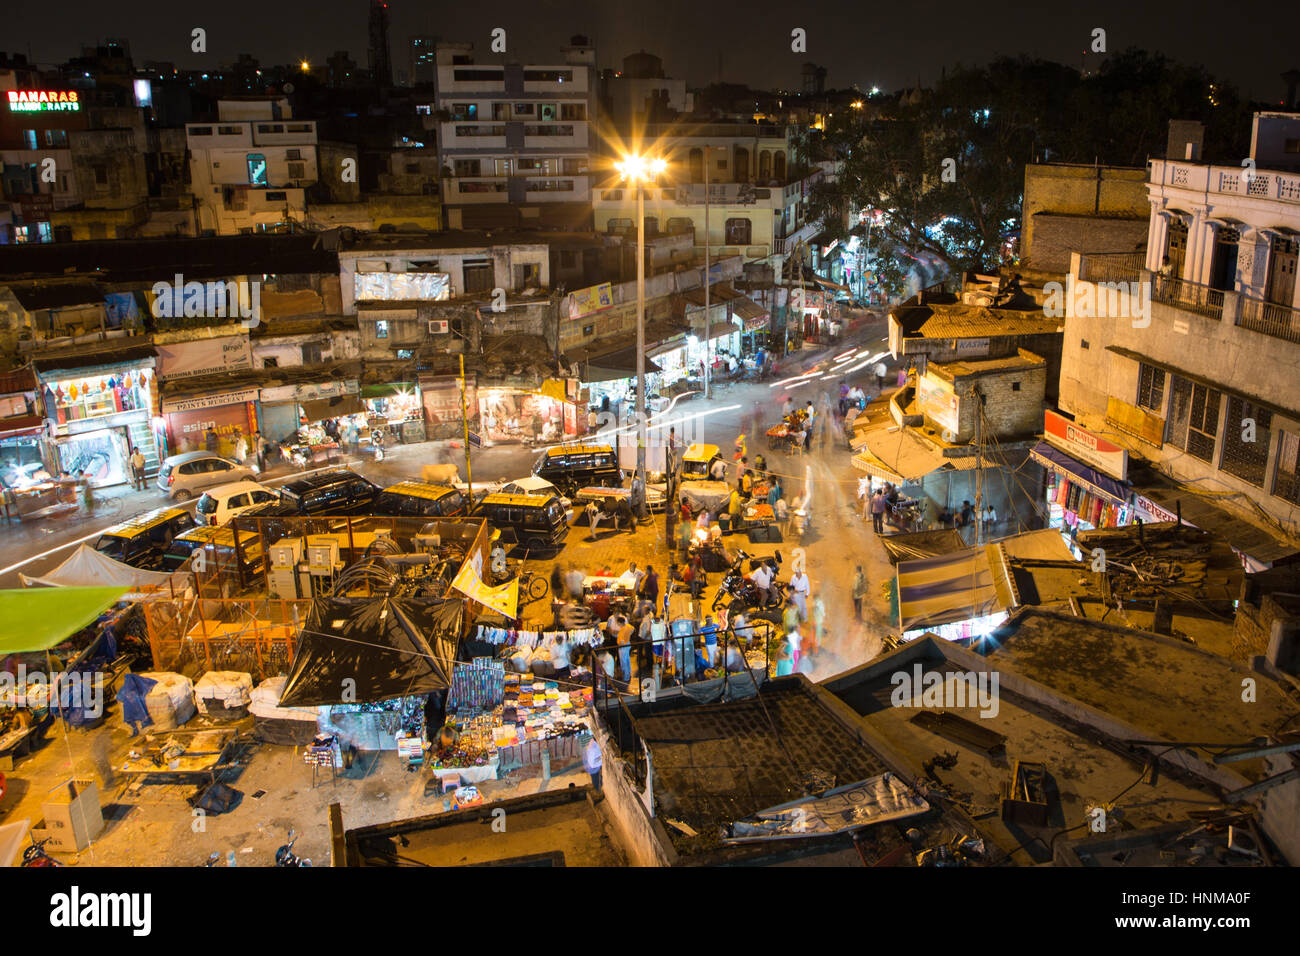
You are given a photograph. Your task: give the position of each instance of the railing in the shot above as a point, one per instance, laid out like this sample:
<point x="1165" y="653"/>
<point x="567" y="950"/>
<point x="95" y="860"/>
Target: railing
<point x="1188" y="295"/>
<point x="1112" y="266"/>
<point x="1269" y="318"/>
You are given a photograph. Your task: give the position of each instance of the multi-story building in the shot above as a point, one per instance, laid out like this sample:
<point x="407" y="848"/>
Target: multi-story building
<point x="516" y="140"/>
<point x="1188" y="354"/>
<point x="422" y="65"/>
<point x="35" y="125"/>
<point x="251" y="168"/>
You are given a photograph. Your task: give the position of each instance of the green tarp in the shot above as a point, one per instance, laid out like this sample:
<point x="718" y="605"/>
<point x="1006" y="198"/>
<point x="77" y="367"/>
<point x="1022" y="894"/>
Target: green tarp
<point x="38" y="619"/>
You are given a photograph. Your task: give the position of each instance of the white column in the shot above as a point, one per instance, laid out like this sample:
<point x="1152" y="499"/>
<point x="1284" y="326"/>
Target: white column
<point x="1157" y="227"/>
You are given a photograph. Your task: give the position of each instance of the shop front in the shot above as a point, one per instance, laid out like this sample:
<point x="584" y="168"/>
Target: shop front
<point x="25" y="456"/>
<point x="398" y="408"/>
<point x="441" y="399"/>
<point x="223" y="423"/>
<point x="309" y="416"/>
<point x="97" y="416"/>
<point x="1087" y="485"/>
<point x="547" y="414"/>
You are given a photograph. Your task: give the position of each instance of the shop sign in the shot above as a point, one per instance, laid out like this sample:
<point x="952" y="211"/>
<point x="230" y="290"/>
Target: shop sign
<point x="972" y="347"/>
<point x="204" y="357"/>
<point x="592" y="299"/>
<point x="1087" y="447"/>
<point x="1152" y="511"/>
<point x="939" y="402"/>
<point x="44" y="101"/>
<point x="442" y="398"/>
<point x="198" y="402"/>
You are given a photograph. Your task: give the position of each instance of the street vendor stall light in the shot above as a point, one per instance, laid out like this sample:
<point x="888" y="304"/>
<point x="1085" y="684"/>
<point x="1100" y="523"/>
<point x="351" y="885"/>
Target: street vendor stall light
<point x="637" y="170"/>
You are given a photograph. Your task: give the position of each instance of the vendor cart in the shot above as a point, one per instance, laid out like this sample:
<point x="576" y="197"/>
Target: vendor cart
<point x="784" y="436"/>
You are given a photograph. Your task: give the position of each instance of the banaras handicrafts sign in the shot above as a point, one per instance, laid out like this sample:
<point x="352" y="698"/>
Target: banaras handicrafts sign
<point x="41" y="101"/>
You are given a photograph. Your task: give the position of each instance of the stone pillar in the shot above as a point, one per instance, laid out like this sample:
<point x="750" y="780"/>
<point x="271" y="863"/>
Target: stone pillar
<point x="1157" y="229"/>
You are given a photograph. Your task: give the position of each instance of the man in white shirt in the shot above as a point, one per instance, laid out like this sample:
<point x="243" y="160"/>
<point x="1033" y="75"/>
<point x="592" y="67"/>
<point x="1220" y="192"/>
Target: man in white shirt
<point x="591" y="762"/>
<point x="718" y="470"/>
<point x="800" y="588"/>
<point x="762" y="578"/>
<point x="631" y="578"/>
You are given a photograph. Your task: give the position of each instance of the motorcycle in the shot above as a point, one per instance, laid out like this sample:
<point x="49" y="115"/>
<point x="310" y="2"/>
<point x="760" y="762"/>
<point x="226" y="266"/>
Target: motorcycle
<point x="743" y="593"/>
<point x="285" y="855"/>
<point x="35" y="854"/>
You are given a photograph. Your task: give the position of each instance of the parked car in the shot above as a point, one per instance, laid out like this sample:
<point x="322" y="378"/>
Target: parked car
<point x="419" y="499"/>
<point x="218" y="505"/>
<point x="330" y="493"/>
<point x="532" y="485"/>
<point x="535" y="521"/>
<point x="142" y="541"/>
<point x="183" y="476"/>
<point x="222" y="556"/>
<point x="570" y="467"/>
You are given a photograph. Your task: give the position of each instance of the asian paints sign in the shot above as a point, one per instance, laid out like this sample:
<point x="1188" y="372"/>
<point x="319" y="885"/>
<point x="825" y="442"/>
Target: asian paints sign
<point x="43" y="101"/>
<point x="1084" y="445"/>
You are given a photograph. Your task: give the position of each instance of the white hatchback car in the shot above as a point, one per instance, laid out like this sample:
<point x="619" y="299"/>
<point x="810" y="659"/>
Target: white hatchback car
<point x="532" y="485"/>
<point x="218" y="505"/>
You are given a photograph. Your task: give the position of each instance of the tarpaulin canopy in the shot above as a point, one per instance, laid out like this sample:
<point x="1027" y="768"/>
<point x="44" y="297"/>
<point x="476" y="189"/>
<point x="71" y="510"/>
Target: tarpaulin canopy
<point x="373" y="649"/>
<point x="855" y="805"/>
<point x="36" y="620"/>
<point x="88" y="567"/>
<point x="946" y="588"/>
<point x="922" y="544"/>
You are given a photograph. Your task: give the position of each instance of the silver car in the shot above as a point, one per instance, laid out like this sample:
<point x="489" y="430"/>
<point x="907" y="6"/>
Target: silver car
<point x="181" y="477"/>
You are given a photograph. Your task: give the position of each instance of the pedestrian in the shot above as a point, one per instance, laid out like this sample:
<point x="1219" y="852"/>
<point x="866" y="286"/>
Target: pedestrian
<point x="697" y="579"/>
<point x="859" y="592"/>
<point x="625" y="634"/>
<point x="990" y="517"/>
<point x="557" y="582"/>
<point x="787" y="407"/>
<point x="210" y="440"/>
<point x="967" y="514"/>
<point x="710" y="634"/>
<point x="878" y="506"/>
<point x="784" y="660"/>
<point x="259" y="444"/>
<point x="573" y="579"/>
<point x="790" y="616"/>
<point x="137" y="468"/>
<point x="560" y="656"/>
<point x="794" y="639"/>
<point x="740" y="447"/>
<point x="774" y="492"/>
<point x="591" y="762"/>
<point x="819" y="625"/>
<point x="762" y="579"/>
<point x="650" y="585"/>
<point x="880" y="376"/>
<point x="800" y="590"/>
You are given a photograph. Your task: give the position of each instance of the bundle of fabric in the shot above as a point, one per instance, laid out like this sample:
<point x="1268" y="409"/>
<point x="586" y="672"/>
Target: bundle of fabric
<point x="157" y="699"/>
<point x="280" y="725"/>
<point x="224" y="695"/>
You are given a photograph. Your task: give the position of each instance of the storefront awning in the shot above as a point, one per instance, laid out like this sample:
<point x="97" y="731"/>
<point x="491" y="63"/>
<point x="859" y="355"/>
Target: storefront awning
<point x="897" y="455"/>
<point x="615" y="365"/>
<point x="385" y="391"/>
<point x="323" y="408"/>
<point x="946" y="588"/>
<point x="38" y="620"/>
<point x="1058" y="461"/>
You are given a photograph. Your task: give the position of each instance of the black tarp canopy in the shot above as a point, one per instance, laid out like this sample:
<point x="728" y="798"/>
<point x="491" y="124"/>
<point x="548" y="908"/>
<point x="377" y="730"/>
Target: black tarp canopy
<point x="381" y="647"/>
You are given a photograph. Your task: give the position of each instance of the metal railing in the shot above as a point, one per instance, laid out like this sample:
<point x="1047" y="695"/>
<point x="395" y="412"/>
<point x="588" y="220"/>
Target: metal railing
<point x="1112" y="266"/>
<point x="1188" y="295"/>
<point x="1270" y="318"/>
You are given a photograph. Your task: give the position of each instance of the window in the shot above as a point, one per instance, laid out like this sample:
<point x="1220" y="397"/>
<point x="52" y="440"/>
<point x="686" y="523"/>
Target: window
<point x="270" y="362"/>
<point x="311" y="353"/>
<point x="381" y="329"/>
<point x="1292" y="146"/>
<point x="737" y="232"/>
<point x="1151" y="388"/>
<point x="201" y="131"/>
<point x="270" y="128"/>
<point x="501" y="111"/>
<point x="1246" y="439"/>
<point x="466" y="167"/>
<point x="573" y="111"/>
<point x="528" y="274"/>
<point x="29" y="139"/>
<point x="1193" y="418"/>
<point x="278" y="196"/>
<point x="56" y="137"/>
<point x="256" y="169"/>
<point x="1286" y="482"/>
<point x="299" y="127"/>
<point x="524" y="109"/>
<point x="482" y="75"/>
<point x="293" y="154"/>
<point x="229" y="130"/>
<point x="464" y="111"/>
<point x="405" y="354"/>
<point x="572" y="167"/>
<point x="617" y="226"/>
<point x="680" y="224"/>
<point x="297" y="170"/>
<point x="101" y="175"/>
<point x="547" y="112"/>
<point x="548" y="76"/>
<point x="478" y="275"/>
<point x="588" y="330"/>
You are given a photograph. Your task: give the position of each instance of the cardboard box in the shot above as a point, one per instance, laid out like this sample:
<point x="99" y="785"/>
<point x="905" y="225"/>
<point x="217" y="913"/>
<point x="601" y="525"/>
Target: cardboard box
<point x="72" y="816"/>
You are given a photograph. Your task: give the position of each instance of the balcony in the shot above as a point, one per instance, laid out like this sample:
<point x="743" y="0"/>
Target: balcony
<point x="1227" y="180"/>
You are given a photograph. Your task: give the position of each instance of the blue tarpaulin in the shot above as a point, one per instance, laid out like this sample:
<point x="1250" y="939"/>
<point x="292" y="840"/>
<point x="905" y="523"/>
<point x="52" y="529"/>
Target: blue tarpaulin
<point x="131" y="696"/>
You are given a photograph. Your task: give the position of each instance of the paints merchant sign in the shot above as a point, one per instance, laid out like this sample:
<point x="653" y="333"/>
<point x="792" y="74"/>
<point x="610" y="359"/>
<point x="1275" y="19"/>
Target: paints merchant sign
<point x="41" y="101"/>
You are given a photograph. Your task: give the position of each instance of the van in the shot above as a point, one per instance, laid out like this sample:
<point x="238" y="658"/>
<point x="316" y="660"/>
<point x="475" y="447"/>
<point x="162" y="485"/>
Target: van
<point x="535" y="521"/>
<point x="218" y="505"/>
<point x="420" y="499"/>
<point x="221" y="557"/>
<point x="142" y="541"/>
<point x="330" y="493"/>
<point x="570" y="467"/>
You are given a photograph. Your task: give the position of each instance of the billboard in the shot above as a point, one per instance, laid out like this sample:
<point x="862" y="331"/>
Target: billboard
<point x="1089" y="448"/>
<point x="591" y="299"/>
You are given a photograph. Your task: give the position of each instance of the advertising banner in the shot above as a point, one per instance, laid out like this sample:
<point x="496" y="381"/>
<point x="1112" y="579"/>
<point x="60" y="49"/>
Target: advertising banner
<point x="591" y="299"/>
<point x="1089" y="448"/>
<point x="229" y="353"/>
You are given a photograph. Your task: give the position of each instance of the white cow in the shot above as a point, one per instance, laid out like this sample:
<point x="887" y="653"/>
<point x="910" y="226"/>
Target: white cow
<point x="440" y="474"/>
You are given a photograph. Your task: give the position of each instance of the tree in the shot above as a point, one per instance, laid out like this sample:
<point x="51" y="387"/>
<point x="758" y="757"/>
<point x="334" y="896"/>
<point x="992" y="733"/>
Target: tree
<point x="946" y="166"/>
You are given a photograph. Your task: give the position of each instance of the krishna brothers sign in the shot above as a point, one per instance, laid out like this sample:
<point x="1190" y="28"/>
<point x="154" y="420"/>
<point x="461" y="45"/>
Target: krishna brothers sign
<point x="41" y="101"/>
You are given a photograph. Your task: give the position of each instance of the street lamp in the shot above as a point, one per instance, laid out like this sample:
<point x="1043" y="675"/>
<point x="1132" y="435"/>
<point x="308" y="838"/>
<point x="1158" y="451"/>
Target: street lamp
<point x="637" y="170"/>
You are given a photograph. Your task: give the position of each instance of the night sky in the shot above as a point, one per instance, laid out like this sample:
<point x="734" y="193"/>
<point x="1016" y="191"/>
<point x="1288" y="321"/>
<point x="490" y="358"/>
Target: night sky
<point x="884" y="44"/>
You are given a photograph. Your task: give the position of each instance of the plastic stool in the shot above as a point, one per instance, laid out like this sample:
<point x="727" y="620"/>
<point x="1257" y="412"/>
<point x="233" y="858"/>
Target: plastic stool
<point x="450" y="782"/>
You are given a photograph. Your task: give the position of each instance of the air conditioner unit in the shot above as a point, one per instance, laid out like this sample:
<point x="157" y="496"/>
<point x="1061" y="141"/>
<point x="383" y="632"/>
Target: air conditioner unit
<point x="323" y="557"/>
<point x="439" y="326"/>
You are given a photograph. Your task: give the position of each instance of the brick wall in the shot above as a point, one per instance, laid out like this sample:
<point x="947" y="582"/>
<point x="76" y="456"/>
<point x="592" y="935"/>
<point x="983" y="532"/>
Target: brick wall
<point x="1056" y="236"/>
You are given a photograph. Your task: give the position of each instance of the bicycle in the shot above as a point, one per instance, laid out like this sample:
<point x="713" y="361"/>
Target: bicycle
<point x="532" y="586"/>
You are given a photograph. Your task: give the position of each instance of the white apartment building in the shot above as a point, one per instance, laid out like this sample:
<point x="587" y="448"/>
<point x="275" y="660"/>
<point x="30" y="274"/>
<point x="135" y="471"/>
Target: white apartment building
<point x="249" y="170"/>
<point x="1205" y="383"/>
<point x="517" y="141"/>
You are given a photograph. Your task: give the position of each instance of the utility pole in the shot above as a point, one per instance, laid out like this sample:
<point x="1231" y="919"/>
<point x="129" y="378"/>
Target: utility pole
<point x="464" y="418"/>
<point x="708" y="337"/>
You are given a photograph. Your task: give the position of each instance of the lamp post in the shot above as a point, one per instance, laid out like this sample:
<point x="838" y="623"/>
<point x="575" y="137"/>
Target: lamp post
<point x="636" y="170"/>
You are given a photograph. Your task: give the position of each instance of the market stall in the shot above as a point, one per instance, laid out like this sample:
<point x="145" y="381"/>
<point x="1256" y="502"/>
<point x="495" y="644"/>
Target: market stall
<point x="549" y="414"/>
<point x="97" y="416"/>
<point x="398" y="408"/>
